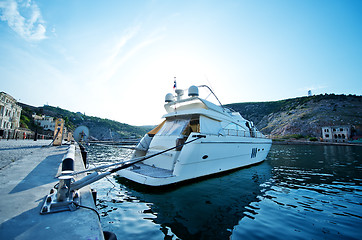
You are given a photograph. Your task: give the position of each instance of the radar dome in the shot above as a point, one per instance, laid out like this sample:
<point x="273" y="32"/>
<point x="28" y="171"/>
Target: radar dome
<point x="169" y="98"/>
<point x="193" y="91"/>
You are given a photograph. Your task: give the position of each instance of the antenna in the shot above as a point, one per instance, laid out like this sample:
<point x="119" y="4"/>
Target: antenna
<point x="208" y="82"/>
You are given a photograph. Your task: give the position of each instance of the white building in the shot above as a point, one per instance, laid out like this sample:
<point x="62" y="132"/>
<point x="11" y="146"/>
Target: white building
<point x="10" y="113"/>
<point x="48" y="123"/>
<point x="336" y="133"/>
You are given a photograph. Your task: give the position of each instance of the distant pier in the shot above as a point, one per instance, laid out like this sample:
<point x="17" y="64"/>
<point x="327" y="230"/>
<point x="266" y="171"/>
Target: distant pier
<point x="130" y="141"/>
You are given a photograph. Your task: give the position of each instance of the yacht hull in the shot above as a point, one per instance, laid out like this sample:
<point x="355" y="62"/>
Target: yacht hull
<point x="208" y="156"/>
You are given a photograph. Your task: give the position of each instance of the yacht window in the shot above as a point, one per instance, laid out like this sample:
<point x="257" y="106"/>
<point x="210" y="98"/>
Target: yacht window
<point x="156" y="129"/>
<point x="173" y="127"/>
<point x="209" y="126"/>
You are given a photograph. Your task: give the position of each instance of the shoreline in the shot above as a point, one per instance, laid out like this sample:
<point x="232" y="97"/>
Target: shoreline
<point x="299" y="142"/>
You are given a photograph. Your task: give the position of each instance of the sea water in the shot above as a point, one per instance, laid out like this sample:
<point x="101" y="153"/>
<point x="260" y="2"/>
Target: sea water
<point x="298" y="192"/>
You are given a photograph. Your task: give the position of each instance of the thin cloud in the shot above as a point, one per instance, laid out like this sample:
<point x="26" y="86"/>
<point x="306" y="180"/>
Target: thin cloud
<point x="24" y="18"/>
<point x="120" y="45"/>
<point x="127" y="47"/>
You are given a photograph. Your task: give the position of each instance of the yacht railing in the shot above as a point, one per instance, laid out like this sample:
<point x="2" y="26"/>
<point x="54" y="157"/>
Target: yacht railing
<point x="241" y="133"/>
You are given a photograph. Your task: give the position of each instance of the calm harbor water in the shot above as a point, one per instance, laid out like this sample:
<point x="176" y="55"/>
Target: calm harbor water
<point x="298" y="192"/>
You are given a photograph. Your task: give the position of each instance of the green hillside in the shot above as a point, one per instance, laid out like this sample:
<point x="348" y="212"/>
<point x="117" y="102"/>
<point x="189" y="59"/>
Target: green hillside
<point x="102" y="129"/>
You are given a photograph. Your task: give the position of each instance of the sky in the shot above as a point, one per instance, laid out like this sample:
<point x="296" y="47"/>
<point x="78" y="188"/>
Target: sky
<point x="118" y="59"/>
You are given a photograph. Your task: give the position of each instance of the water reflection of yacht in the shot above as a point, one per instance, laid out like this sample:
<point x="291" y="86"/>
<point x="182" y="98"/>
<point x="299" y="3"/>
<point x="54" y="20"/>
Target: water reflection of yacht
<point x="197" y="138"/>
<point x="208" y="209"/>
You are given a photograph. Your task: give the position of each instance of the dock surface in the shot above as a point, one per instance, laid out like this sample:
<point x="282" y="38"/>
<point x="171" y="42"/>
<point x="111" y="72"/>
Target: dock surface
<point x="27" y="174"/>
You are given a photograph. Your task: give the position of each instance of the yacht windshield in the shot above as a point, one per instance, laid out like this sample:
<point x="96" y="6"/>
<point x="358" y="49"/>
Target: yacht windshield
<point x="173" y="127"/>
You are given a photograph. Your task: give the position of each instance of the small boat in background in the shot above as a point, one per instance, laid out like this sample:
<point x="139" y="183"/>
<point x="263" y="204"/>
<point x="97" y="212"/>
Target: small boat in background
<point x="196" y="139"/>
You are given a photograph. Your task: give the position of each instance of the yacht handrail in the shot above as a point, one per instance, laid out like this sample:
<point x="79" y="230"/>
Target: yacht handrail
<point x="241" y="133"/>
<point x="213" y="94"/>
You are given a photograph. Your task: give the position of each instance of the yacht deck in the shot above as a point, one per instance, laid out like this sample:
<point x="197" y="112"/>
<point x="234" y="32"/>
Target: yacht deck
<point x="150" y="171"/>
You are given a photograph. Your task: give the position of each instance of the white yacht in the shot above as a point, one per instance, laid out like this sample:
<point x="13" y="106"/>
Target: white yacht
<point x="197" y="138"/>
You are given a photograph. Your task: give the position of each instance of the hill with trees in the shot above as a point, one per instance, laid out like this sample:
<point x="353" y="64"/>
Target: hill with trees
<point x="101" y="129"/>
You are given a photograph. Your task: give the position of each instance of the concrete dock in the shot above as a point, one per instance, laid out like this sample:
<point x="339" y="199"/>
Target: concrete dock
<point x="27" y="174"/>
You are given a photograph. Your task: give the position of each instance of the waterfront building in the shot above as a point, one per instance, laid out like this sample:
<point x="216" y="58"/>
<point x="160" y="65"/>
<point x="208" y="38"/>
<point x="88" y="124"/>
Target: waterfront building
<point x="48" y="125"/>
<point x="10" y="113"/>
<point x="46" y="122"/>
<point x="336" y="133"/>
